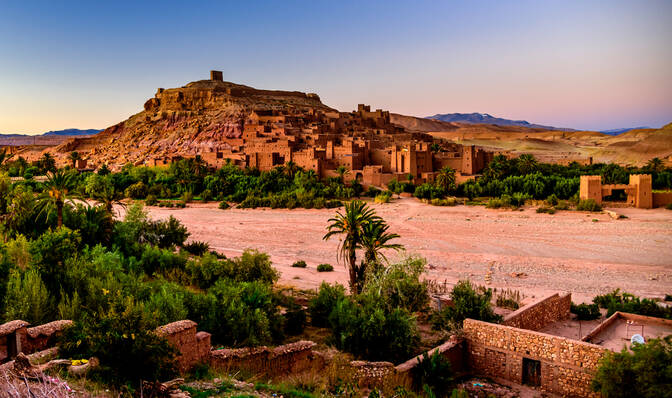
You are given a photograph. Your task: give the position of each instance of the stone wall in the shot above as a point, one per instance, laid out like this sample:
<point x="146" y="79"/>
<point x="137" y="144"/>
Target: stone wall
<point x="41" y="337"/>
<point x="193" y="348"/>
<point x="454" y="350"/>
<point x="567" y="366"/>
<point x="286" y="359"/>
<point x="539" y="314"/>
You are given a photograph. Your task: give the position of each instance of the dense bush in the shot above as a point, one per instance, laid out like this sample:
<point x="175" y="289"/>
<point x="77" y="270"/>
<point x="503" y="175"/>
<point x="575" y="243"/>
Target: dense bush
<point x="399" y="285"/>
<point x="626" y="302"/>
<point x="588" y="205"/>
<point x="325" y="268"/>
<point x="645" y="371"/>
<point x="197" y="248"/>
<point x="467" y="303"/>
<point x="323" y="304"/>
<point x="585" y="312"/>
<point x="433" y="372"/>
<point x="299" y="264"/>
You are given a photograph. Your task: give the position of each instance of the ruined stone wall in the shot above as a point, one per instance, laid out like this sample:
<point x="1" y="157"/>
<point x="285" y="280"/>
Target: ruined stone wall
<point x="44" y="336"/>
<point x="567" y="366"/>
<point x="193" y="348"/>
<point x="454" y="350"/>
<point x="539" y="314"/>
<point x="290" y="358"/>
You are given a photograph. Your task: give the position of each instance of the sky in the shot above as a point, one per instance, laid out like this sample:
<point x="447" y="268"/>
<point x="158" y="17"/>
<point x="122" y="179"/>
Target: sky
<point x="578" y="64"/>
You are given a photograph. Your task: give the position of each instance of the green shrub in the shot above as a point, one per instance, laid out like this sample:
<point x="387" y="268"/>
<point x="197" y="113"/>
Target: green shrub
<point x="444" y="202"/>
<point x="136" y="191"/>
<point x="562" y="205"/>
<point x="588" y="205"/>
<point x="223" y="205"/>
<point x="467" y="303"/>
<point x="187" y="197"/>
<point x="26" y="298"/>
<point x="626" y="302"/>
<point x="368" y="330"/>
<point x="325" y="268"/>
<point x="300" y="264"/>
<point x="122" y="337"/>
<point x="206" y="195"/>
<point x="323" y="304"/>
<point x="585" y="312"/>
<point x="552" y="200"/>
<point x="295" y="321"/>
<point x="197" y="248"/>
<point x="669" y="206"/>
<point x="547" y="210"/>
<point x="166" y="304"/>
<point x="151" y="200"/>
<point x="383" y="197"/>
<point x="508" y="298"/>
<point x="399" y="285"/>
<point x="518" y="199"/>
<point x="433" y="372"/>
<point x="645" y="372"/>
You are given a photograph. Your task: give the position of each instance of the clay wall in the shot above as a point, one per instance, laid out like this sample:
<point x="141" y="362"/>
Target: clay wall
<point x="539" y="314"/>
<point x="290" y="358"/>
<point x="41" y="337"/>
<point x="661" y="199"/>
<point x="566" y="366"/>
<point x="193" y="348"/>
<point x="591" y="188"/>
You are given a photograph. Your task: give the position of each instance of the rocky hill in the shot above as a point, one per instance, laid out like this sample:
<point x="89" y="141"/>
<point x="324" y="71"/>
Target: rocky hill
<point x="484" y="118"/>
<point x="185" y="121"/>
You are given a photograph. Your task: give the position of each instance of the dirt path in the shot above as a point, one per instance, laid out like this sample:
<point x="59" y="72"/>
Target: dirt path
<point x="567" y="251"/>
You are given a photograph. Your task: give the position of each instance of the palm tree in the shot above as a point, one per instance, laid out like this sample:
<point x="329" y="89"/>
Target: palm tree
<point x="56" y="192"/>
<point x="526" y="163"/>
<point x="655" y="165"/>
<point x="47" y="162"/>
<point x="342" y="171"/>
<point x="74" y="157"/>
<point x="290" y="169"/>
<point x="445" y="179"/>
<point x="375" y="238"/>
<point x="108" y="197"/>
<point x="351" y="225"/>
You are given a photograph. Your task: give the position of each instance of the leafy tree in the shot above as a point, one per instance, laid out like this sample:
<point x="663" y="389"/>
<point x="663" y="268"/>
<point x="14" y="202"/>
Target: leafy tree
<point x="645" y="372"/>
<point x="351" y="225"/>
<point x="323" y="304"/>
<point x="527" y="164"/>
<point x="655" y="165"/>
<point x="47" y="162"/>
<point x="399" y="285"/>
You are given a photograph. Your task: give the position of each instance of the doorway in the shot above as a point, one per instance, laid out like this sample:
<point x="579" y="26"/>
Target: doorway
<point x="531" y="372"/>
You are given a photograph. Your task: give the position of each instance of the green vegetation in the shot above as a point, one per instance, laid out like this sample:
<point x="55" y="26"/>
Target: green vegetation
<point x="588" y="205"/>
<point x="300" y="264"/>
<point x="467" y="303"/>
<point x="433" y="374"/>
<point x="645" y="372"/>
<point x="585" y="312"/>
<point x="626" y="302"/>
<point x="325" y="268"/>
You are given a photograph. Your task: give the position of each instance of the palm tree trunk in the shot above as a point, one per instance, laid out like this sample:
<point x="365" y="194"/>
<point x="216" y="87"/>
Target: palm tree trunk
<point x="354" y="284"/>
<point x="59" y="214"/>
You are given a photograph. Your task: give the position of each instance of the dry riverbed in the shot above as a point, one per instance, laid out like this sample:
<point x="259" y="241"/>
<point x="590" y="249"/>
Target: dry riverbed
<point x="583" y="253"/>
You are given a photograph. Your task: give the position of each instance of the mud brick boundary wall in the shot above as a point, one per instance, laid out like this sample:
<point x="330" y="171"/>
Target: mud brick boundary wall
<point x="541" y="313"/>
<point x="567" y="366"/>
<point x="282" y="360"/>
<point x="193" y="348"/>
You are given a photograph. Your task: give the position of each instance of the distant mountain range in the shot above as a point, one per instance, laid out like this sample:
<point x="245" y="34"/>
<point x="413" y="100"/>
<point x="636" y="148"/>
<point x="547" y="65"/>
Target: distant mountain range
<point x="621" y="131"/>
<point x="65" y="132"/>
<point x="484" y="118"/>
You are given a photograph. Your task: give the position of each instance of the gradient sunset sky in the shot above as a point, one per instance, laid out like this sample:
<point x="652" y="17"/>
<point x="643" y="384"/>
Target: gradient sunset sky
<point x="578" y="64"/>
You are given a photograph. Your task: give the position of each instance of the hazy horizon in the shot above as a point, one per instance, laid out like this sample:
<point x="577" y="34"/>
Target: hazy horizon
<point x="594" y="65"/>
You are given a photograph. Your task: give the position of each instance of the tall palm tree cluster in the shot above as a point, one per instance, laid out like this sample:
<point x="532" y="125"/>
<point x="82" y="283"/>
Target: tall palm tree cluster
<point x="361" y="229"/>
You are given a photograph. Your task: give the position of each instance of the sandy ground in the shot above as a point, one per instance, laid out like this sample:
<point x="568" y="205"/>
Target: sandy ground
<point x="567" y="251"/>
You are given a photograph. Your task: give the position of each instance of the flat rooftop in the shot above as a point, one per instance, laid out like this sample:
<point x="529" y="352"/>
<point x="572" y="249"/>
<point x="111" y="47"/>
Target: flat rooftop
<point x="615" y="332"/>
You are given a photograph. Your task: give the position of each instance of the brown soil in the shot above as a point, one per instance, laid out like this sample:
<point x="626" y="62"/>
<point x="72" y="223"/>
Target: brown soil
<point x="537" y="254"/>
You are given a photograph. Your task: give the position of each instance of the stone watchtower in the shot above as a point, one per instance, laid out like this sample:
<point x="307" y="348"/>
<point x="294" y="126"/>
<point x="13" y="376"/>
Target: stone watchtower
<point x="642" y="195"/>
<point x="216" y="75"/>
<point x="591" y="188"/>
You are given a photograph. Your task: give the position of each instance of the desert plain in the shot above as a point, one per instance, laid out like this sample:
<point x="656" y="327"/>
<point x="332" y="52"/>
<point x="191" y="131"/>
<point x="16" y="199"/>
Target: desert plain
<point x="578" y="252"/>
